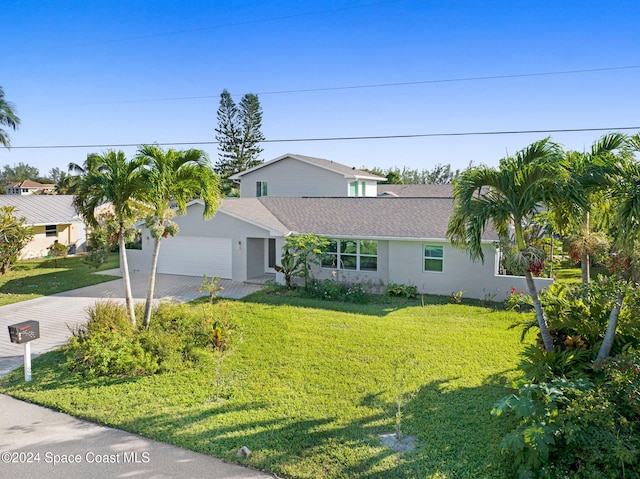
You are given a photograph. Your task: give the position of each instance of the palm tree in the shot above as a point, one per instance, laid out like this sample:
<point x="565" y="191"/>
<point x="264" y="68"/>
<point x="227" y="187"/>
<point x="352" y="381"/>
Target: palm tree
<point x="590" y="171"/>
<point x="7" y="118"/>
<point x="174" y="178"/>
<point x="507" y="198"/>
<point x="626" y="190"/>
<point x="120" y="182"/>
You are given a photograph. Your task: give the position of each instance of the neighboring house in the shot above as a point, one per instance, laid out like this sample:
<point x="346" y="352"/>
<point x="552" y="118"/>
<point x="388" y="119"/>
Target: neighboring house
<point x="28" y="187"/>
<point x="52" y="217"/>
<point x="374" y="240"/>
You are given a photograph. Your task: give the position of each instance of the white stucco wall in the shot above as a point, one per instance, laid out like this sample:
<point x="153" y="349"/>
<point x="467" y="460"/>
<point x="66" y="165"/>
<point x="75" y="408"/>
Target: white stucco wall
<point x="220" y="226"/>
<point x="289" y="177"/>
<point x="401" y="262"/>
<point x="477" y="280"/>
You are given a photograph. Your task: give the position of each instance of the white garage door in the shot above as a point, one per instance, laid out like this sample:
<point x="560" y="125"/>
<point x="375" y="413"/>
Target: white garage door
<point x="195" y="256"/>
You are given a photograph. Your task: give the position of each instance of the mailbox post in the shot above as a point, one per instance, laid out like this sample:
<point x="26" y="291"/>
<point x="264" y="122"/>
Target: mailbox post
<point x="24" y="333"/>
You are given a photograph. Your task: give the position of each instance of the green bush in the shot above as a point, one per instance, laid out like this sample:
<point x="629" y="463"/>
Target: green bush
<point x="577" y="316"/>
<point x="541" y="366"/>
<point x="576" y="420"/>
<point x="96" y="258"/>
<point x="336" y="291"/>
<point x="409" y="292"/>
<point x="578" y="429"/>
<point x="518" y="301"/>
<point x="178" y="338"/>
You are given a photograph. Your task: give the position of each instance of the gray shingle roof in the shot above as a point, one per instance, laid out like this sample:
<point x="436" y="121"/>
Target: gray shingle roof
<point x="382" y="217"/>
<point x="254" y="211"/>
<point x="42" y="209"/>
<point x="414" y="191"/>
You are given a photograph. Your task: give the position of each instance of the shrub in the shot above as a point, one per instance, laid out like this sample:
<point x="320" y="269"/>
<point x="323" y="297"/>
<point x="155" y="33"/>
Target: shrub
<point x="96" y="258"/>
<point x="541" y="366"/>
<point x="211" y="286"/>
<point x="409" y="292"/>
<point x="577" y="316"/>
<point x="518" y="301"/>
<point x="180" y="337"/>
<point x="579" y="429"/>
<point x="336" y="291"/>
<point x="456" y="297"/>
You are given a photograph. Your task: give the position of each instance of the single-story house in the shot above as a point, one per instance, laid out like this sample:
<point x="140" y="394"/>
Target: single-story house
<point x="375" y="240"/>
<point x="52" y="217"/>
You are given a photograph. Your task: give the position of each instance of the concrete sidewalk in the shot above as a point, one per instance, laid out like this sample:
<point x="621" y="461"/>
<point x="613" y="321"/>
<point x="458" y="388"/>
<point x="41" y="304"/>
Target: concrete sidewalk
<point x="38" y="442"/>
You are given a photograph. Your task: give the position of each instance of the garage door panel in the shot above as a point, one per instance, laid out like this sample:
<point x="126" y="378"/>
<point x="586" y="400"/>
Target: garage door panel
<point x="195" y="256"/>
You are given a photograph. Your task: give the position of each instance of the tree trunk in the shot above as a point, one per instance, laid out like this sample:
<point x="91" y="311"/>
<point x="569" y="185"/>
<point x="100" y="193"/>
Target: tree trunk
<point x="610" y="334"/>
<point x="542" y="323"/>
<point x="127" y="280"/>
<point x="585" y="260"/>
<point x="585" y="266"/>
<point x="152" y="283"/>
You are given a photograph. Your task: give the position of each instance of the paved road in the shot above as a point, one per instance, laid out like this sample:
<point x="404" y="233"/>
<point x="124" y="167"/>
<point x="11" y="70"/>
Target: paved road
<point x="33" y="439"/>
<point x="30" y="432"/>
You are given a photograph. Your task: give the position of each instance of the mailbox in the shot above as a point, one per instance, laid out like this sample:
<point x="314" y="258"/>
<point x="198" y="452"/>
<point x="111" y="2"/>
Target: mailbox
<point x="24" y="332"/>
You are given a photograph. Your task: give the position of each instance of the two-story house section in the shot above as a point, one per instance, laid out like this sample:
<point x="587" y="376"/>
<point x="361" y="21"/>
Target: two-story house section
<point x="306" y="176"/>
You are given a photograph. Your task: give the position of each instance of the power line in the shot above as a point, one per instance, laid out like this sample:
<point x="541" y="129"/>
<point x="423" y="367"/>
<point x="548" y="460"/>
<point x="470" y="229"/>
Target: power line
<point x="378" y="85"/>
<point x="451" y="80"/>
<point x="211" y="27"/>
<point x="337" y="138"/>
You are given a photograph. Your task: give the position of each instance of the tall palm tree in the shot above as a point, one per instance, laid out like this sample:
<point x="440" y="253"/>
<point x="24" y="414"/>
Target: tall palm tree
<point x="120" y="182"/>
<point x="507" y="198"/>
<point x="174" y="178"/>
<point x="626" y="191"/>
<point x="7" y="118"/>
<point x="590" y="171"/>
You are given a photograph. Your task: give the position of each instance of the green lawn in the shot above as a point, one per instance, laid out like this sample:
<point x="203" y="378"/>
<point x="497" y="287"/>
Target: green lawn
<point x="310" y="385"/>
<point x="570" y="273"/>
<point x="41" y="277"/>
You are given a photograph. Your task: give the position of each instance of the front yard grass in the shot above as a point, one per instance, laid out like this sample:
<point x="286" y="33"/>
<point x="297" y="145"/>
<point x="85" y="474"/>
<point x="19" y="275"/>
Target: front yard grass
<point x="42" y="277"/>
<point x="310" y="384"/>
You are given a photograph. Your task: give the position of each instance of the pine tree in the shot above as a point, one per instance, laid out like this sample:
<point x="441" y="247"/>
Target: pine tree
<point x="239" y="136"/>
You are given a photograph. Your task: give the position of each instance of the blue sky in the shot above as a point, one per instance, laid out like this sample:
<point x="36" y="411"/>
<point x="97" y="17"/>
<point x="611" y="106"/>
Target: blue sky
<point x="105" y="72"/>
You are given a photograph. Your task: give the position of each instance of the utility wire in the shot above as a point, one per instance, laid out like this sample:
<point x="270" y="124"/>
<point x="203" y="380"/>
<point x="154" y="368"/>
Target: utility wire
<point x="211" y="27"/>
<point x="336" y="138"/>
<point x="377" y="85"/>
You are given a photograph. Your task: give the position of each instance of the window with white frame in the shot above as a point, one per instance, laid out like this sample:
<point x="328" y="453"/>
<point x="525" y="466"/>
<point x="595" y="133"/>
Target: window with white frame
<point x="50" y="230"/>
<point x="357" y="188"/>
<point x="261" y="188"/>
<point x="433" y="257"/>
<point x="351" y="254"/>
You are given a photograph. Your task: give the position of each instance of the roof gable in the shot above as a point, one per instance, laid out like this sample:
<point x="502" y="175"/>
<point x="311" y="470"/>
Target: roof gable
<point x="31" y="184"/>
<point x="344" y="170"/>
<point x="251" y="211"/>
